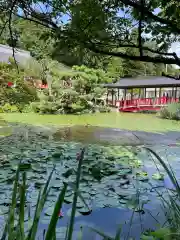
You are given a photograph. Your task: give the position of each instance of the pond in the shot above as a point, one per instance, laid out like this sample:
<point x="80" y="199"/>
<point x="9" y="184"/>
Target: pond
<point x="116" y="172"/>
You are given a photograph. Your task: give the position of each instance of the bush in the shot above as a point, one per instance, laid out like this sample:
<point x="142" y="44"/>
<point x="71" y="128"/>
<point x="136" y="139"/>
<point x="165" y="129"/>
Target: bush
<point x="27" y="108"/>
<point x="35" y="107"/>
<point x="8" y="108"/>
<point x="172" y="111"/>
<point x="103" y="109"/>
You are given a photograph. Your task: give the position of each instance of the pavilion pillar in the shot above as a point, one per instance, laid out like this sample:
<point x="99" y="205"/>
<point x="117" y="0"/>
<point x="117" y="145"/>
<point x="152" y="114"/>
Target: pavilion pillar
<point x="107" y="95"/>
<point x="172" y="95"/>
<point x="118" y="93"/>
<point x="160" y="95"/>
<point x="155" y="92"/>
<point x="175" y="93"/>
<point x="112" y="95"/>
<point x="131" y="94"/>
<point x="124" y="105"/>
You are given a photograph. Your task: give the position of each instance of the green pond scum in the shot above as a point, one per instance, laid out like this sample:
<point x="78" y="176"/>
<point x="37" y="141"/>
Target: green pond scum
<point x="127" y="121"/>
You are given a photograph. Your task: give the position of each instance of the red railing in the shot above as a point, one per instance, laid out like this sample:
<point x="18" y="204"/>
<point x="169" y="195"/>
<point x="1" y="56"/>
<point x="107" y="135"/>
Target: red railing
<point x="143" y="102"/>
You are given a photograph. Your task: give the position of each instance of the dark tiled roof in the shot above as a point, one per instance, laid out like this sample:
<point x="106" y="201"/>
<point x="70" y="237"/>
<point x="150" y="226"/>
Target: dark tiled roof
<point x="144" y="81"/>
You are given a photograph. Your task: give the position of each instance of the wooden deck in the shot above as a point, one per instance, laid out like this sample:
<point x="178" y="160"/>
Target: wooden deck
<point x="142" y="104"/>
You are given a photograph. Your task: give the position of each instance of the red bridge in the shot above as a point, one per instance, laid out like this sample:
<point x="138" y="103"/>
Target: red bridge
<point x="131" y="95"/>
<point x="145" y="104"/>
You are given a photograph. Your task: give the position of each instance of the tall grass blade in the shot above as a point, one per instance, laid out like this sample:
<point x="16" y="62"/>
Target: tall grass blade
<point x="13" y="207"/>
<point x="22" y="205"/>
<point x="118" y="233"/>
<point x="79" y="195"/>
<point x="169" y="172"/>
<point x="100" y="233"/>
<point x="73" y="212"/>
<point x="35" y="216"/>
<point x="55" y="215"/>
<point x="40" y="205"/>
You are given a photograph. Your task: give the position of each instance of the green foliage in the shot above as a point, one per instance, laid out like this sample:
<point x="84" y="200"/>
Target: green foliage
<point x="76" y="91"/>
<point x="7" y="108"/>
<point x="172" y="111"/>
<point x="19" y="95"/>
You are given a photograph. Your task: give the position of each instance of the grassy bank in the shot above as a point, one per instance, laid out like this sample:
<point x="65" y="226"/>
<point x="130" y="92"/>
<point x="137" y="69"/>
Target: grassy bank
<point x="128" y="121"/>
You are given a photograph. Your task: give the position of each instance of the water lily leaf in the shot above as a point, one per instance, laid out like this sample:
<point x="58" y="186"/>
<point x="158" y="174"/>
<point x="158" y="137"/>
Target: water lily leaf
<point x="68" y="173"/>
<point x="39" y="183"/>
<point x="92" y="192"/>
<point x="85" y="211"/>
<point x="49" y="211"/>
<point x="79" y="204"/>
<point x="126" y="194"/>
<point x="4" y="210"/>
<point x="25" y="166"/>
<point x="124" y="171"/>
<point x="68" y="199"/>
<point x="158" y="176"/>
<point x="143" y="174"/>
<point x="57" y="154"/>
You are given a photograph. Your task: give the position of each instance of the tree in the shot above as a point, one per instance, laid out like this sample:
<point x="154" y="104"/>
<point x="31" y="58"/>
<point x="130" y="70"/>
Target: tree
<point x="103" y="26"/>
<point x="106" y="27"/>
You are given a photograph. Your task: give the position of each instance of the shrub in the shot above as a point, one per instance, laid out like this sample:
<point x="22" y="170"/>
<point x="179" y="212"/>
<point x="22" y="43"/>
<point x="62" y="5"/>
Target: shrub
<point x="8" y="108"/>
<point x="103" y="109"/>
<point x="172" y="111"/>
<point x="27" y="108"/>
<point x="35" y="107"/>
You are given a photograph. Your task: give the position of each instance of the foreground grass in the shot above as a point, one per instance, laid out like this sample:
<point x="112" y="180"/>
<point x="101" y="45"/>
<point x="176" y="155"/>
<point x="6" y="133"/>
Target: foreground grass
<point x="127" y="121"/>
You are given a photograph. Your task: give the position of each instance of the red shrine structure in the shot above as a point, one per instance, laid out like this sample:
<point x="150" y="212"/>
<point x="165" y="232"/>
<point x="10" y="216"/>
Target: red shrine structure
<point x="142" y="93"/>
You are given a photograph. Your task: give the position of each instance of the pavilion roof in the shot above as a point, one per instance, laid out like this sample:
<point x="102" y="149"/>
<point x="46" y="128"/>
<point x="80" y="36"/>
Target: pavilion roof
<point x="144" y="82"/>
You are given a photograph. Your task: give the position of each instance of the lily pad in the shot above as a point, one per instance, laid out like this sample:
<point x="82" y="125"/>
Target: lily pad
<point x="85" y="211"/>
<point x="68" y="199"/>
<point x="158" y="176"/>
<point x="39" y="183"/>
<point x="49" y="211"/>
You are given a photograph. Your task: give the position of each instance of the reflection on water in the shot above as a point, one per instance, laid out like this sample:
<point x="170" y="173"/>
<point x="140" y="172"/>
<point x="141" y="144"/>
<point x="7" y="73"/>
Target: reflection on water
<point x="90" y="134"/>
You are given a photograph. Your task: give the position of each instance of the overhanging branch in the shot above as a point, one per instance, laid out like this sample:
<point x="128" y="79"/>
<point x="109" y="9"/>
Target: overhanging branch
<point x="157" y="59"/>
<point x="134" y="4"/>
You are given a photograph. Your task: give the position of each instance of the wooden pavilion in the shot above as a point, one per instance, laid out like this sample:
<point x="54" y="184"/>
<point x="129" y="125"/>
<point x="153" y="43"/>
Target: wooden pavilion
<point x="142" y="93"/>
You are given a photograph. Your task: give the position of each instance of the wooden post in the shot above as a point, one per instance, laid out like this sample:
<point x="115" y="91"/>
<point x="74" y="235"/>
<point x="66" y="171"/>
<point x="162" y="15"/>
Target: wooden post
<point x="112" y="95"/>
<point x="131" y="94"/>
<point x="145" y="93"/>
<point x="118" y="93"/>
<point x="124" y="98"/>
<point x="175" y="93"/>
<point x="155" y="92"/>
<point x="107" y="96"/>
<point x="160" y="95"/>
<point x="172" y="95"/>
